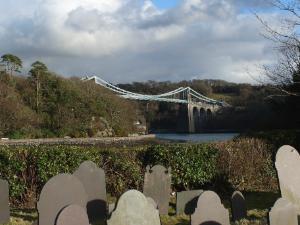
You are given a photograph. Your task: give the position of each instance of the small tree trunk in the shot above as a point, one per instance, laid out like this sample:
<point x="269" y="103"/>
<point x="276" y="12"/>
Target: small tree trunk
<point x="37" y="91"/>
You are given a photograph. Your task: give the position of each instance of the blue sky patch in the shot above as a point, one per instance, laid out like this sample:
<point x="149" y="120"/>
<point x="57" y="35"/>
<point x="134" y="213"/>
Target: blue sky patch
<point x="165" y="4"/>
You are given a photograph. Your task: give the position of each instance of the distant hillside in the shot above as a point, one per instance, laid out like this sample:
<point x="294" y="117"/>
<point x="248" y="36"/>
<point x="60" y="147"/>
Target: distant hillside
<point x="252" y="105"/>
<point x="52" y="106"/>
<point x="218" y="89"/>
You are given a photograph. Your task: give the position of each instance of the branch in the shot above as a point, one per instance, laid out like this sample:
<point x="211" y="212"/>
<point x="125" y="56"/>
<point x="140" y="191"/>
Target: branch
<point x="276" y="36"/>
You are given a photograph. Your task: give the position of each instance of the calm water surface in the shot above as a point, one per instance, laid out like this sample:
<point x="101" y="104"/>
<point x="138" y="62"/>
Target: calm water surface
<point x="210" y="137"/>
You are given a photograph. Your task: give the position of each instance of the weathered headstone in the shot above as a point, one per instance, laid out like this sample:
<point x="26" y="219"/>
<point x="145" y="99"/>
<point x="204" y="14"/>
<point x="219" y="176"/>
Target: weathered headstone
<point x="186" y="201"/>
<point x="72" y="215"/>
<point x="111" y="207"/>
<point x="283" y="212"/>
<point x="238" y="206"/>
<point x="152" y="202"/>
<point x="210" y="210"/>
<point x="288" y="167"/>
<point x="93" y="179"/>
<point x="157" y="185"/>
<point x="4" y="202"/>
<point x="59" y="192"/>
<point x="133" y="208"/>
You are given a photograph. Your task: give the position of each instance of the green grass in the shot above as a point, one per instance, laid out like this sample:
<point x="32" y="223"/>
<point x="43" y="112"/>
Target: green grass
<point x="22" y="216"/>
<point x="258" y="205"/>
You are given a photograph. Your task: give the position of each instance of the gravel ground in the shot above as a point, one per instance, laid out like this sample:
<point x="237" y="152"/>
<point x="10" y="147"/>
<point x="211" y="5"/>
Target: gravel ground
<point x="80" y="141"/>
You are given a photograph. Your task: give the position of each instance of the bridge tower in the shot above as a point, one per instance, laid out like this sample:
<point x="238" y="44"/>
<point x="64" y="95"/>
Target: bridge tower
<point x="186" y="120"/>
<point x="199" y="114"/>
<point x="190" y="110"/>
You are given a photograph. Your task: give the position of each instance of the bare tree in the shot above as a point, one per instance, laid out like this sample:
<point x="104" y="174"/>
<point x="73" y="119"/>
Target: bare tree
<point x="285" y="75"/>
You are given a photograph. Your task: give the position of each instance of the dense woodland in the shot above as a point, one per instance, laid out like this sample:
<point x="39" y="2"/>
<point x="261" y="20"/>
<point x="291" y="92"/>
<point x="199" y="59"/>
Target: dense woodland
<point x="43" y="104"/>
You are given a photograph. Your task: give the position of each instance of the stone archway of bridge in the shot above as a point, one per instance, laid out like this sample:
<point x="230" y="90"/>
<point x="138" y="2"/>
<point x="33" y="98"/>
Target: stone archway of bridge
<point x="202" y="114"/>
<point x="209" y="114"/>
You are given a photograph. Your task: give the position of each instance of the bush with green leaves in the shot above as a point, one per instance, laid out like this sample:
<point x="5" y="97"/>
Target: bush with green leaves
<point x="192" y="165"/>
<point x="28" y="168"/>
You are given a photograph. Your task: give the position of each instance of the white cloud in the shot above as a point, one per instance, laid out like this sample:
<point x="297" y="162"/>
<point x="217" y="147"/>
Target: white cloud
<point x="127" y="40"/>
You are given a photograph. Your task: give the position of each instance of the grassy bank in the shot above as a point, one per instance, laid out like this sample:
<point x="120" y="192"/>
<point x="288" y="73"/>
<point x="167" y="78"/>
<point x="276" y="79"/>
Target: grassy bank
<point x="257" y="212"/>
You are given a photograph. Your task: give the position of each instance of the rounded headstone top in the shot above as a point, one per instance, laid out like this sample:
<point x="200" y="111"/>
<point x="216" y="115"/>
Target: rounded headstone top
<point x="72" y="215"/>
<point x="281" y="202"/>
<point x="158" y="168"/>
<point x="87" y="165"/>
<point x="129" y="196"/>
<point x="53" y="186"/>
<point x="237" y="193"/>
<point x="281" y="153"/>
<point x="209" y="196"/>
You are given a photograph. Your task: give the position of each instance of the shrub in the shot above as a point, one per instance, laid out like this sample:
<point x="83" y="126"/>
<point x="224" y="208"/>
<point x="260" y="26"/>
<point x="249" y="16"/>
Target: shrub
<point x="248" y="164"/>
<point x="28" y="168"/>
<point x="277" y="138"/>
<point x="192" y="165"/>
<point x="244" y="164"/>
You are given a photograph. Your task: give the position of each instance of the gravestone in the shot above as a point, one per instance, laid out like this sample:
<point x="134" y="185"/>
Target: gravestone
<point x="283" y="212"/>
<point x="111" y="207"/>
<point x="152" y="202"/>
<point x="93" y="179"/>
<point x="72" y="215"/>
<point x="288" y="167"/>
<point x="59" y="192"/>
<point x="4" y="202"/>
<point x="157" y="185"/>
<point x="186" y="201"/>
<point x="133" y="208"/>
<point x="210" y="210"/>
<point x="238" y="206"/>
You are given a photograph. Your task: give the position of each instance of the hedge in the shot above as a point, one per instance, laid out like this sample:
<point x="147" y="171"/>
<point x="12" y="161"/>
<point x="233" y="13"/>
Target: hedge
<point x="193" y="166"/>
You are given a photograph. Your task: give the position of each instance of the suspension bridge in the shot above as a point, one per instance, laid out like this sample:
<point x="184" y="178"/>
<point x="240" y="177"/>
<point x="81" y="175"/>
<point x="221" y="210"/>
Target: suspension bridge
<point x="199" y="108"/>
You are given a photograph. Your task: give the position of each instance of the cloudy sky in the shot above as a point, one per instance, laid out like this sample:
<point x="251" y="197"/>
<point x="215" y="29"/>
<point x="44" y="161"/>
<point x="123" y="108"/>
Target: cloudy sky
<point x="139" y="40"/>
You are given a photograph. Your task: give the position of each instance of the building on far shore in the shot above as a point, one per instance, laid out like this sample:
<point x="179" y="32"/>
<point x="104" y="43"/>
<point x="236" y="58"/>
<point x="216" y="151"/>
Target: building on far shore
<point x="2" y="67"/>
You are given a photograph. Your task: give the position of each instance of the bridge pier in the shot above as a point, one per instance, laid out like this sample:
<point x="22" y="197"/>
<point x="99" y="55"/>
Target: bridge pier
<point x="191" y="119"/>
<point x="198" y="116"/>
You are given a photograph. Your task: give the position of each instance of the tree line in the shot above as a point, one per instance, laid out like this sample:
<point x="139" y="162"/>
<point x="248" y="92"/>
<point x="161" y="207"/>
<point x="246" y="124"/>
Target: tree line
<point x="252" y="106"/>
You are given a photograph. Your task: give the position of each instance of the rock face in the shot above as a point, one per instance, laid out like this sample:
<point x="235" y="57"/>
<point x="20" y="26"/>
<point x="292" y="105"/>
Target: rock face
<point x="93" y="179"/>
<point x="4" y="202"/>
<point x="59" y="192"/>
<point x="72" y="215"/>
<point x="210" y="210"/>
<point x="134" y="208"/>
<point x="283" y="212"/>
<point x="157" y="185"/>
<point x="186" y="201"/>
<point x="288" y="167"/>
<point x="238" y="206"/>
<point x="103" y="127"/>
